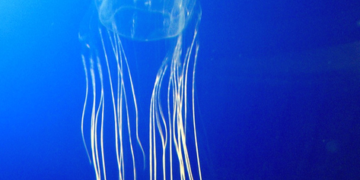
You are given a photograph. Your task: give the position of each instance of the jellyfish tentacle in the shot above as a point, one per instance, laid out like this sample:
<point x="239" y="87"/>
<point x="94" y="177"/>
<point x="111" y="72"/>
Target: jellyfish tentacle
<point x="100" y="107"/>
<point x="193" y="110"/>
<point x="156" y="114"/>
<point x="135" y="103"/>
<point x="84" y="106"/>
<point x="93" y="121"/>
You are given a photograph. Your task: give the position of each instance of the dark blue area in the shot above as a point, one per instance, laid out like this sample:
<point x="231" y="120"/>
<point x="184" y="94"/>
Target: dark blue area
<point x="277" y="90"/>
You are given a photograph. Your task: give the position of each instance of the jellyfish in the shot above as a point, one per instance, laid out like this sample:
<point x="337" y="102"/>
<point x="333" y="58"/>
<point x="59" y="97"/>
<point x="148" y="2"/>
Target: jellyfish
<point x="162" y="145"/>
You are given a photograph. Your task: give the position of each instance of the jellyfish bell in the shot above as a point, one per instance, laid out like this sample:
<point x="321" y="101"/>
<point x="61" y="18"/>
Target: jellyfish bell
<point x="145" y="20"/>
<point x="162" y="145"/>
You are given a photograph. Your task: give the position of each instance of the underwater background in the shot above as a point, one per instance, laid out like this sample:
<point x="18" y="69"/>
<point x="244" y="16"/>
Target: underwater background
<point x="278" y="90"/>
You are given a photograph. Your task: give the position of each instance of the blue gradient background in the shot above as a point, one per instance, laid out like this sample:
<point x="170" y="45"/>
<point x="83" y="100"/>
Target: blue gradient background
<point x="278" y="90"/>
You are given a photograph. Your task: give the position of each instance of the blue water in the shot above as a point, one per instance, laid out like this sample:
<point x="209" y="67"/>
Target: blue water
<point x="277" y="90"/>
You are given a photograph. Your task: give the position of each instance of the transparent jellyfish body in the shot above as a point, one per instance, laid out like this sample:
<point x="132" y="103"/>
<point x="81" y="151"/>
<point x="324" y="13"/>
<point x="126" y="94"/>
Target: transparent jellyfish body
<point x="164" y="145"/>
